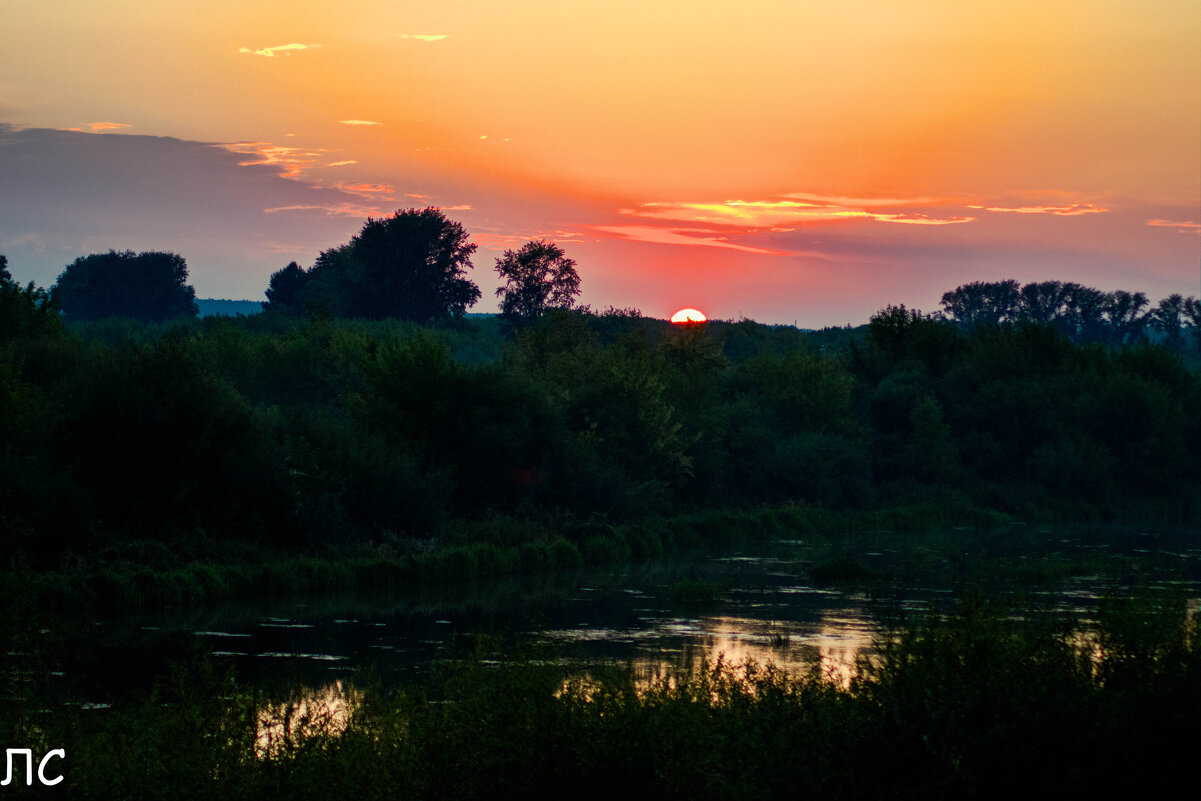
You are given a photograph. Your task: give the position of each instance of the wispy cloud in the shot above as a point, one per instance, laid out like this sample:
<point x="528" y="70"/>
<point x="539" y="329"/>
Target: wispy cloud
<point x="919" y="219"/>
<point x="1069" y="210"/>
<point x="330" y="210"/>
<point x="342" y="163"/>
<point x="497" y="240"/>
<point x="107" y="126"/>
<point x="286" y="49"/>
<point x="1181" y="226"/>
<point x="425" y="37"/>
<point x="702" y="237"/>
<point x="790" y="211"/>
<point x="360" y="122"/>
<point x="292" y="161"/>
<point x="461" y="207"/>
<point x="862" y="202"/>
<point x="369" y="191"/>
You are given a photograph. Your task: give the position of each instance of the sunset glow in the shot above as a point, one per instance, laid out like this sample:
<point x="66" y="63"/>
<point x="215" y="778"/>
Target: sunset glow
<point x="684" y="316"/>
<point x="787" y="161"/>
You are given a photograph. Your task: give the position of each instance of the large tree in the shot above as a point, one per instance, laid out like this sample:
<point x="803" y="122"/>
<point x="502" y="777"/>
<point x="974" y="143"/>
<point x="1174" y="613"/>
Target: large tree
<point x="983" y="302"/>
<point x="149" y="286"/>
<point x="412" y="266"/>
<point x="537" y="277"/>
<point x="285" y="288"/>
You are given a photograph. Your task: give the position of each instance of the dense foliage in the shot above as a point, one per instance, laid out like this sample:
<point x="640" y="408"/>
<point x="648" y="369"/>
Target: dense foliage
<point x="537" y="277"/>
<point x="410" y="266"/>
<point x="1081" y="313"/>
<point x="301" y="431"/>
<point x="150" y="287"/>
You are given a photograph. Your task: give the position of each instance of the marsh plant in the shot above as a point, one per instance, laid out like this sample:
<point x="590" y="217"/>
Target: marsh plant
<point x="974" y="703"/>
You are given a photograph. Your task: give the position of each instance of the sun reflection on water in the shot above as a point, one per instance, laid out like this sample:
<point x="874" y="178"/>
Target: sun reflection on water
<point x="312" y="712"/>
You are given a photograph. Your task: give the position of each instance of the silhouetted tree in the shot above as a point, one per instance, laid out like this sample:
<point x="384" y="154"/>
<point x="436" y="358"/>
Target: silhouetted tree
<point x="1192" y="313"/>
<point x="1168" y="319"/>
<point x="983" y="302"/>
<point x="285" y="287"/>
<point x="411" y="265"/>
<point x="1049" y="303"/>
<point x="25" y="312"/>
<point x="1085" y="309"/>
<point x="149" y="286"/>
<point x="1123" y="315"/>
<point x="537" y="277"/>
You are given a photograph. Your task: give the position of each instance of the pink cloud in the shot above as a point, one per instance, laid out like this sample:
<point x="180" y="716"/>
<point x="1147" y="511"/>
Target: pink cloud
<point x="1069" y="210"/>
<point x="1182" y="227"/>
<point x="292" y="161"/>
<point x="369" y="191"/>
<point x="495" y="240"/>
<point x="782" y="214"/>
<point x="681" y="236"/>
<point x="334" y="210"/>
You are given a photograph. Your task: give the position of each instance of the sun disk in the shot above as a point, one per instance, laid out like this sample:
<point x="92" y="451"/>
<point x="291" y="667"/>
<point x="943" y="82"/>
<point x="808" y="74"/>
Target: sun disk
<point x="684" y="316"/>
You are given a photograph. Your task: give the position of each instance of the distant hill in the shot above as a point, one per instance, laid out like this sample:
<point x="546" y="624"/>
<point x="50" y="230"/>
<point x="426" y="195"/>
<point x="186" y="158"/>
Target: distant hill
<point x="213" y="307"/>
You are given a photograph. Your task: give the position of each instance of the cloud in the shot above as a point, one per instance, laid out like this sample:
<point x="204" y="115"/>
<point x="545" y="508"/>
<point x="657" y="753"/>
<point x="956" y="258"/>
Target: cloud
<point x="425" y="37"/>
<point x="495" y="240"/>
<point x="292" y="161"/>
<point x="1182" y="227"/>
<point x="681" y="236"/>
<point x="286" y="49"/>
<point x="920" y="219"/>
<point x="780" y="214"/>
<point x="1070" y="210"/>
<point x="107" y="126"/>
<point x="330" y="210"/>
<point x="342" y="163"/>
<point x="860" y="202"/>
<point x="369" y="191"/>
<point x="463" y="207"/>
<point x="360" y="122"/>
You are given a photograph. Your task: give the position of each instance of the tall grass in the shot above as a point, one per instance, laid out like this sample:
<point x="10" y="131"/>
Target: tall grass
<point x="976" y="703"/>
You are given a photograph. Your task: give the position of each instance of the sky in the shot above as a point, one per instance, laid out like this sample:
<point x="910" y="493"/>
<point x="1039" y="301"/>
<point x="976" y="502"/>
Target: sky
<point x="806" y="162"/>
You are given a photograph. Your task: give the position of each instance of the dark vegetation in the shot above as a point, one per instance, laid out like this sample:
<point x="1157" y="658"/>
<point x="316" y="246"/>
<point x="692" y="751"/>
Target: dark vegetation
<point x="362" y="431"/>
<point x="410" y="266"/>
<point x="303" y="430"/>
<point x="970" y="704"/>
<point x="150" y="287"/>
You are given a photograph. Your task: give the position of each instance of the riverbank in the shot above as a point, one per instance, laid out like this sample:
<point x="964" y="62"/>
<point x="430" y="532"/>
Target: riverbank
<point x="968" y="543"/>
<point x="148" y="574"/>
<point x="973" y="704"/>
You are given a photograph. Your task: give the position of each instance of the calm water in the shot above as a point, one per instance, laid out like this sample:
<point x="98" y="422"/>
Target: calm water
<point x="762" y="603"/>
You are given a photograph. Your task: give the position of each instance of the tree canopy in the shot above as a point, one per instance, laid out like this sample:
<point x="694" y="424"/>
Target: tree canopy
<point x="285" y="287"/>
<point x="150" y="286"/>
<point x="537" y="277"/>
<point x="411" y="266"/>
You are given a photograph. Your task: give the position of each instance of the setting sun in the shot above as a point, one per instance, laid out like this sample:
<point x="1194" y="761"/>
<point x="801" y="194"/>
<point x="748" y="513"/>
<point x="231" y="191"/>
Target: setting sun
<point x="684" y="316"/>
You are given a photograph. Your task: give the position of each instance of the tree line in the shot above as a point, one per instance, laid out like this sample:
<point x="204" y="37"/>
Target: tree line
<point x="410" y="266"/>
<point x="297" y="430"/>
<point x="1080" y="313"/>
<point x="414" y="266"/>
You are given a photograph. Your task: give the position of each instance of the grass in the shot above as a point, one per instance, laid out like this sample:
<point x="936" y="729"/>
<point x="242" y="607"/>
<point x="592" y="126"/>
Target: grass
<point x="150" y="575"/>
<point x="972" y="704"/>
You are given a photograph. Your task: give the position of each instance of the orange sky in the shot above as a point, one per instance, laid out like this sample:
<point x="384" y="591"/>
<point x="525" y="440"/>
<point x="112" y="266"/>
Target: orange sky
<point x="780" y="160"/>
